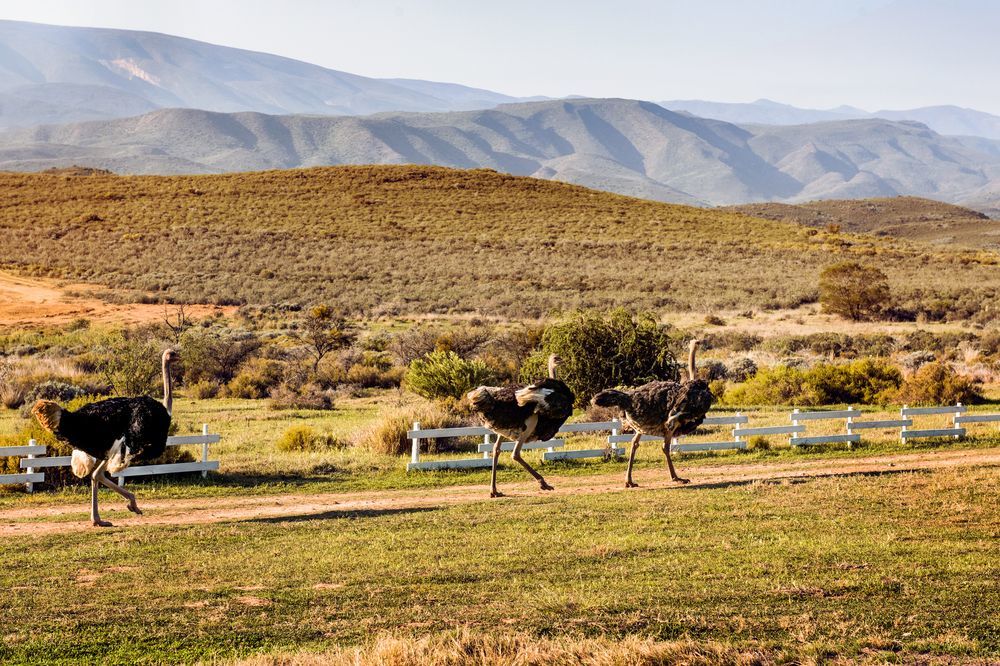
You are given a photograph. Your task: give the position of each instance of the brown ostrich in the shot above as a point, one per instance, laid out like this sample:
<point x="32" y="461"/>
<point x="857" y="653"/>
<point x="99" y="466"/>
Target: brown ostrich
<point x="669" y="409"/>
<point x="533" y="412"/>
<point x="109" y="435"/>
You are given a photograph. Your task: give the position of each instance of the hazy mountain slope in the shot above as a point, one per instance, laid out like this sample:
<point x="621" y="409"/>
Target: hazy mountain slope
<point x="167" y="71"/>
<point x="949" y="120"/>
<point x="626" y="146"/>
<point x="913" y="218"/>
<point x="67" y="102"/>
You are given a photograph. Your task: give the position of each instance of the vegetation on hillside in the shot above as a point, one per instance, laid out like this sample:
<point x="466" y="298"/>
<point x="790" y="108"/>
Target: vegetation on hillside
<point x="379" y="240"/>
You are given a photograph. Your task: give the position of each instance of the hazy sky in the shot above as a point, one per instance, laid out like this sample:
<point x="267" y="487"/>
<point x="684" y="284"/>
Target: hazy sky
<point x="874" y="54"/>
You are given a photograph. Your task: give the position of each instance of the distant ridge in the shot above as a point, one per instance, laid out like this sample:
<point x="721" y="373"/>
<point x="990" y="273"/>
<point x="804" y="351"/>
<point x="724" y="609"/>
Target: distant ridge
<point x="54" y="73"/>
<point x="626" y="146"/>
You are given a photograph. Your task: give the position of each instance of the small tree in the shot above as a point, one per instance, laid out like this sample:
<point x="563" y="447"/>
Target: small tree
<point x="216" y="355"/>
<point x="853" y="290"/>
<point x="603" y="350"/>
<point x="444" y="375"/>
<point x="325" y="331"/>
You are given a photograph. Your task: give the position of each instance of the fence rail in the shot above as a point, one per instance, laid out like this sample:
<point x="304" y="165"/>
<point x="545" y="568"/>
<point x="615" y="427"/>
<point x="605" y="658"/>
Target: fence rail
<point x="35" y="459"/>
<point x="797" y="432"/>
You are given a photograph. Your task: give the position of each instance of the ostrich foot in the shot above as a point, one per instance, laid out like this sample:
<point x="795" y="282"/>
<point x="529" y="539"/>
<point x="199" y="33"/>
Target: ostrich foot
<point x="102" y="523"/>
<point x="631" y="484"/>
<point x="545" y="486"/>
<point x="681" y="481"/>
<point x="496" y="493"/>
<point x="134" y="508"/>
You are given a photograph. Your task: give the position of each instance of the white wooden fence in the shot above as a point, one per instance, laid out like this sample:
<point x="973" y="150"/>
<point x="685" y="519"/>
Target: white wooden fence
<point x="797" y="432"/>
<point x="35" y="459"/>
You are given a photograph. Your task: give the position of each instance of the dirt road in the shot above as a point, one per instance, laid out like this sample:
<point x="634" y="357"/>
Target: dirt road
<point x="28" y="301"/>
<point x="289" y="506"/>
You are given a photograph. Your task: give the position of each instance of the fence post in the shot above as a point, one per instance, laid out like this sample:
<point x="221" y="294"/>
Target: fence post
<point x="204" y="450"/>
<point x="612" y="445"/>
<point x="735" y="428"/>
<point x="486" y="441"/>
<point x="902" y="428"/>
<point x="955" y="424"/>
<point x="415" y="446"/>
<point x="29" y="486"/>
<point x="795" y="422"/>
<point x="850" y="420"/>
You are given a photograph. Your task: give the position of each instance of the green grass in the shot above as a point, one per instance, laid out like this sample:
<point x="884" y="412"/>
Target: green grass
<point x="250" y="462"/>
<point x="892" y="567"/>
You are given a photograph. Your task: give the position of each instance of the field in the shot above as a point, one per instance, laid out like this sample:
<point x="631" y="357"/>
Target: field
<point x="897" y="566"/>
<point x="417" y="240"/>
<point x="887" y="553"/>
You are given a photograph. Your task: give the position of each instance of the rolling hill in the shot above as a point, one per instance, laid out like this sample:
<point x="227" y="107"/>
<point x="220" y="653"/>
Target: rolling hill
<point x="630" y="147"/>
<point x="64" y="74"/>
<point x="388" y="240"/>
<point x="913" y="218"/>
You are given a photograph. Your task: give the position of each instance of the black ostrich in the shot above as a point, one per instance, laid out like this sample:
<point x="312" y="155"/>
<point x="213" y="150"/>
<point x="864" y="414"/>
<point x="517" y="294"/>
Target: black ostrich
<point x="112" y="434"/>
<point x="669" y="409"/>
<point x="532" y="412"/>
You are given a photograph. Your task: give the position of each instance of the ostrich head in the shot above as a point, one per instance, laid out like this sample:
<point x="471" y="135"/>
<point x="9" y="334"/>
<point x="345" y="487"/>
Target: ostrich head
<point x="170" y="356"/>
<point x="48" y="414"/>
<point x="554" y="362"/>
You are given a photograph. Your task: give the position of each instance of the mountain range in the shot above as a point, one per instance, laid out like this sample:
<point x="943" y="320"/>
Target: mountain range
<point x="626" y="146"/>
<point x="140" y="102"/>
<point x="51" y="74"/>
<point x="942" y="119"/>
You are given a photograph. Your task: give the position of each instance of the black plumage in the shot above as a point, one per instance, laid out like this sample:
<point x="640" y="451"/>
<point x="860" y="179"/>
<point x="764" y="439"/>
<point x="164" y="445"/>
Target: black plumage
<point x="533" y="412"/>
<point x="109" y="435"/>
<point x="140" y="425"/>
<point x="663" y="408"/>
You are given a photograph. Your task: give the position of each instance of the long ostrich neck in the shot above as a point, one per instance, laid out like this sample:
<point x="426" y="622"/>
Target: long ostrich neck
<point x="168" y="387"/>
<point x="691" y="372"/>
<point x="552" y="368"/>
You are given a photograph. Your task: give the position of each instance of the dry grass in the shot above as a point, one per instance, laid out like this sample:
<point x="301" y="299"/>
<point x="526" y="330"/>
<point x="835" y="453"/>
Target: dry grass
<point x="467" y="648"/>
<point x="407" y="239"/>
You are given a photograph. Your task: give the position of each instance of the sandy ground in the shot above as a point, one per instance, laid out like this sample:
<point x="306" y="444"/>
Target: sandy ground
<point x="299" y="507"/>
<point x="26" y="301"/>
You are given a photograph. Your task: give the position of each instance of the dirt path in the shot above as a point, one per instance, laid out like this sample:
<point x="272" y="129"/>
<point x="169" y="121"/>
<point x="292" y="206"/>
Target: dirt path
<point x="26" y="301"/>
<point x="293" y="507"/>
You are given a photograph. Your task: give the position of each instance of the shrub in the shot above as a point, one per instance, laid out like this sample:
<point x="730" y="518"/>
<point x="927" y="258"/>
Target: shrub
<point x="204" y="389"/>
<point x="131" y="365"/>
<point x="739" y="341"/>
<point x="366" y="376"/>
<point x="444" y="375"/>
<point x="713" y="370"/>
<point x="852" y="290"/>
<point x="937" y="383"/>
<point x="602" y="350"/>
<point x="742" y="369"/>
<point x="388" y="434"/>
<point x="307" y="396"/>
<point x="867" y="381"/>
<point x="216" y="355"/>
<point x="714" y="320"/>
<point x="304" y="438"/>
<point x="256" y="379"/>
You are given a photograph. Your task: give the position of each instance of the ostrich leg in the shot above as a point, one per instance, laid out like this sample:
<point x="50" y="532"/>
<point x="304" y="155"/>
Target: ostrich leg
<point x="631" y="459"/>
<point x="108" y="483"/>
<point x="95" y="477"/>
<point x="493" y="474"/>
<point x="668" y="437"/>
<point x="526" y="434"/>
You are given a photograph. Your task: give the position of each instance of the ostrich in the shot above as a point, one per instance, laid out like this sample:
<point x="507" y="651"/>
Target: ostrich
<point x="669" y="409"/>
<point x="535" y="411"/>
<point x="111" y="434"/>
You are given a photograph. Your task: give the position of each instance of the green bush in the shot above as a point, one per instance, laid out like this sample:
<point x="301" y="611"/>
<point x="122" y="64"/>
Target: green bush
<point x="443" y="375"/>
<point x="863" y="382"/>
<point x="304" y="438"/>
<point x="204" y="389"/>
<point x="937" y="383"/>
<point x="256" y="379"/>
<point x="601" y="350"/>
